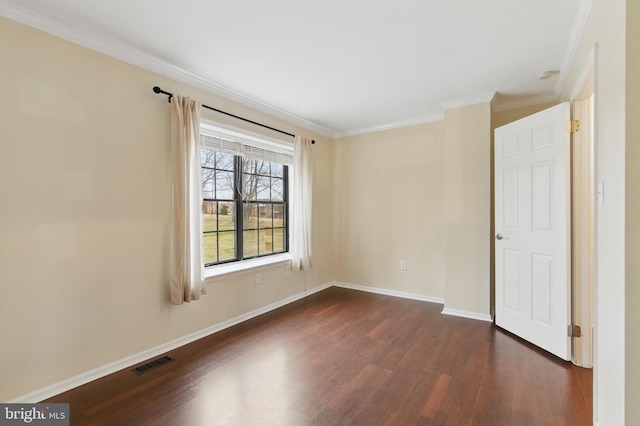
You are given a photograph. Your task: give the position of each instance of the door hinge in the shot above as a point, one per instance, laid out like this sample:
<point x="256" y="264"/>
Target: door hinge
<point x="574" y="331"/>
<point x="573" y="126"/>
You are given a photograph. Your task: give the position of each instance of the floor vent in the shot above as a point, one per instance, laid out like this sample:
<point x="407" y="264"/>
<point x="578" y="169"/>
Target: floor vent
<point x="141" y="369"/>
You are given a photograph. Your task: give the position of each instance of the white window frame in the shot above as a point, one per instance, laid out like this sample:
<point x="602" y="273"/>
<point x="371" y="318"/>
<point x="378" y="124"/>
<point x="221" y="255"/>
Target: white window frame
<point x="217" y="130"/>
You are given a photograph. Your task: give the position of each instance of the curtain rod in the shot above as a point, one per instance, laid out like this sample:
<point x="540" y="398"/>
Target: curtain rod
<point x="158" y="90"/>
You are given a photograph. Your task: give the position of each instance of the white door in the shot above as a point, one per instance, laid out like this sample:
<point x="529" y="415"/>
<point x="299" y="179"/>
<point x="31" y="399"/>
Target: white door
<point x="532" y="229"/>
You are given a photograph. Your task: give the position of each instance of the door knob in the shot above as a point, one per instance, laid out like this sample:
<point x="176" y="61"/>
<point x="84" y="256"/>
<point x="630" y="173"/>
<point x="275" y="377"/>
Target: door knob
<point x="500" y="237"/>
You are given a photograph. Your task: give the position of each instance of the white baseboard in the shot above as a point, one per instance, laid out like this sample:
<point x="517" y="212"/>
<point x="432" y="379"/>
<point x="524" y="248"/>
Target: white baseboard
<point x="467" y="314"/>
<point x="414" y="296"/>
<point x="84" y="378"/>
<point x="130" y="361"/>
<point x="393" y="293"/>
<point x="314" y="290"/>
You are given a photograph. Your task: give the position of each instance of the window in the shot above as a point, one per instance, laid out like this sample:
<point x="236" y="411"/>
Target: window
<point x="245" y="192"/>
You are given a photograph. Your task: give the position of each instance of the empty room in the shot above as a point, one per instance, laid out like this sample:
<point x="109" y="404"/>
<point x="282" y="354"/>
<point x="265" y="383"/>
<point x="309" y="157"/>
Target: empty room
<point x="285" y="213"/>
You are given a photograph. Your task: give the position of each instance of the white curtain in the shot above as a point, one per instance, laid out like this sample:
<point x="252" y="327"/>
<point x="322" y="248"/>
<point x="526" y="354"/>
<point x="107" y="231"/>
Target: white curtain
<point x="186" y="266"/>
<point x="301" y="205"/>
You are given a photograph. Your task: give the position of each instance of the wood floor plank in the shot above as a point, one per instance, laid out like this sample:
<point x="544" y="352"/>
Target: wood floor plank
<point x="395" y="390"/>
<point x="344" y="357"/>
<point x="434" y="399"/>
<point x="461" y="395"/>
<point x="410" y="411"/>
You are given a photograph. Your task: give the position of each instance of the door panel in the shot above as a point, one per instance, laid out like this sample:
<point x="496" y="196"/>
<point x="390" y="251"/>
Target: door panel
<point x="532" y="232"/>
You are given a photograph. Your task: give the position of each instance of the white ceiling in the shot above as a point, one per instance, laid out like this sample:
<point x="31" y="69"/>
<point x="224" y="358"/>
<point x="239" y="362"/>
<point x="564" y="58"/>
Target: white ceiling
<point x="337" y="67"/>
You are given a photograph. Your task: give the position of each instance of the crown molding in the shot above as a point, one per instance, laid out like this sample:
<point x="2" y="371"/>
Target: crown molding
<point x="585" y="82"/>
<point x="577" y="30"/>
<point x="429" y="118"/>
<point x="468" y="100"/>
<point x="132" y="56"/>
<point x="135" y="57"/>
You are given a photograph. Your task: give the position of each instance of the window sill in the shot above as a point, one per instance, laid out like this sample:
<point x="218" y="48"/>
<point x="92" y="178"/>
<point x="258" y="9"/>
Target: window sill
<point x="213" y="273"/>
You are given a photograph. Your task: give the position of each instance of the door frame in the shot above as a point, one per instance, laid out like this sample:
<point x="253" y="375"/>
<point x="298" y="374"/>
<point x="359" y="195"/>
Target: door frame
<point x="583" y="217"/>
<point x="586" y="85"/>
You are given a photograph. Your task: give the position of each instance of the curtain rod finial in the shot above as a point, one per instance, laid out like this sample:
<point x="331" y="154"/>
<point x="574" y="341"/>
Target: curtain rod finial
<point x="156" y="89"/>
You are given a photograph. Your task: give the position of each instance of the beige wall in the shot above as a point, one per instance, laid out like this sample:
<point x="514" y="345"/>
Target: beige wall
<point x="606" y="27"/>
<point x="387" y="203"/>
<point x="84" y="193"/>
<point x="632" y="329"/>
<point x="398" y="193"/>
<point x="467" y="209"/>
<point x="84" y="223"/>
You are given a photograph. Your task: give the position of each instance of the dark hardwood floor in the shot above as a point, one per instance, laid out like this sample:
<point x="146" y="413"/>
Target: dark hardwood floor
<point x="346" y="357"/>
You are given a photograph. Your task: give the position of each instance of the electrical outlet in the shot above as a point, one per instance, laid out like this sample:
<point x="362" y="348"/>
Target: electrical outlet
<point x="258" y="278"/>
<point x="403" y="265"/>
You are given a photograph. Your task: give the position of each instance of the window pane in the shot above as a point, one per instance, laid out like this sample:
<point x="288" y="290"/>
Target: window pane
<point x="263" y="223"/>
<point x="224" y="185"/>
<point x="266" y="241"/>
<point x="263" y="188"/>
<point x="278" y="215"/>
<point x="226" y="216"/>
<point x="227" y="245"/>
<point x="207" y="158"/>
<point x="249" y="166"/>
<point x="250" y="243"/>
<point x="262" y="167"/>
<point x="210" y="248"/>
<point x="256" y="167"/>
<point x="209" y="216"/>
<point x="249" y="186"/>
<point x="224" y="161"/>
<point x="278" y="240"/>
<point x="207" y="183"/>
<point x="277" y="191"/>
<point x="276" y="170"/>
<point x="265" y="216"/>
<point x="250" y="216"/>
